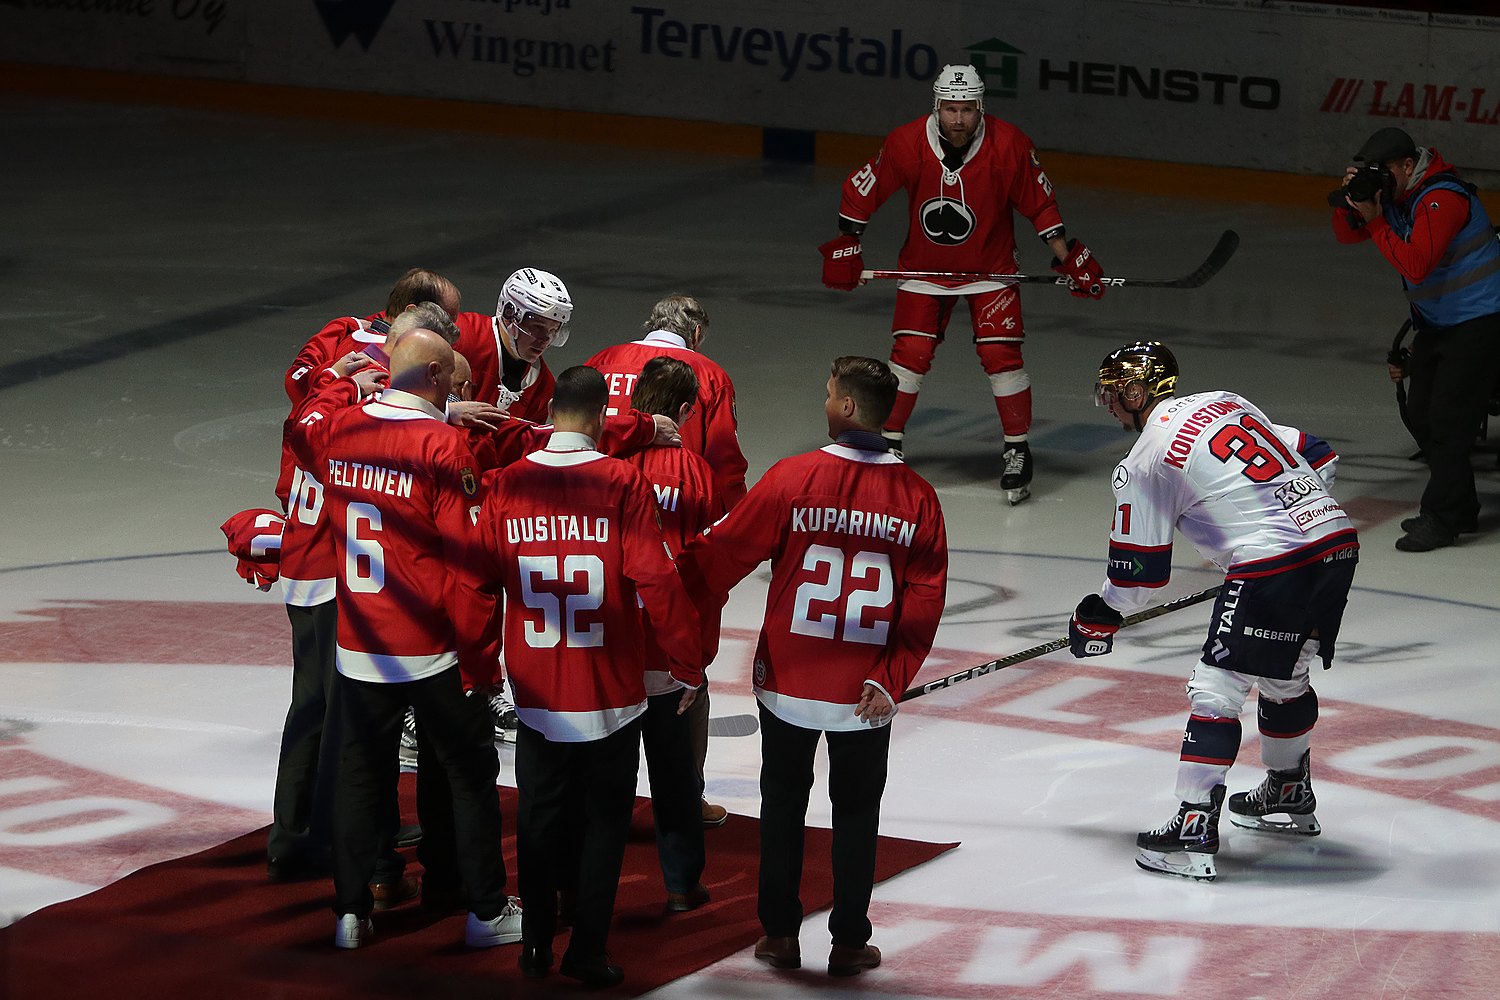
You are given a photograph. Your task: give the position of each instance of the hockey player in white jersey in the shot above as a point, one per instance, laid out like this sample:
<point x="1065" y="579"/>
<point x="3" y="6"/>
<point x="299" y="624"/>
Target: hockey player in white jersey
<point x="1252" y="496"/>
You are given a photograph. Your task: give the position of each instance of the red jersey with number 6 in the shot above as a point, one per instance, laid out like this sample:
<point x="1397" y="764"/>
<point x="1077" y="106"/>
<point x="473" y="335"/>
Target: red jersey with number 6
<point x="400" y="492"/>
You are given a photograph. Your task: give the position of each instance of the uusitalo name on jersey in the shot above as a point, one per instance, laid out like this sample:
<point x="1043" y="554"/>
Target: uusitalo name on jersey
<point x="864" y="523"/>
<point x="358" y="476"/>
<point x="837" y="51"/>
<point x="1182" y="443"/>
<point x="556" y="528"/>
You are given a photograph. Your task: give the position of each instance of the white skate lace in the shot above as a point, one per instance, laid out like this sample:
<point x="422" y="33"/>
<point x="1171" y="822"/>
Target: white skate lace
<point x="1015" y="462"/>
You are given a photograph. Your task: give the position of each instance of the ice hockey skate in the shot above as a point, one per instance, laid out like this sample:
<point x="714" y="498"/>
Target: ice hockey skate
<point x="1016" y="479"/>
<point x="1285" y="793"/>
<point x="503" y="714"/>
<point x="893" y="442"/>
<point x="408" y="752"/>
<point x="1186" y="846"/>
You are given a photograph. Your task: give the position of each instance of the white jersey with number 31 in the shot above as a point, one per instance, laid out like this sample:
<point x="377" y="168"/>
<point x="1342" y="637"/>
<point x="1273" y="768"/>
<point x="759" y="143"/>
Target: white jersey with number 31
<point x="1252" y="496"/>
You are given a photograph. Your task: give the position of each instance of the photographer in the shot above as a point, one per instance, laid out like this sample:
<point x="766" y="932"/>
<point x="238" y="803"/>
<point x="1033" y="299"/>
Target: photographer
<point x="1432" y="228"/>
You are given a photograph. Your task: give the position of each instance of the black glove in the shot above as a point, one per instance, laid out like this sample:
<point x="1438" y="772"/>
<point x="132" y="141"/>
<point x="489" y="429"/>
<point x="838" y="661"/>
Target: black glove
<point x="1091" y="630"/>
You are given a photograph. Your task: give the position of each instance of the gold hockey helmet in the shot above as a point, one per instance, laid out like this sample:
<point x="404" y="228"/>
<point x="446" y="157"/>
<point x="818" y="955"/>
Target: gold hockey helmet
<point x="1147" y="362"/>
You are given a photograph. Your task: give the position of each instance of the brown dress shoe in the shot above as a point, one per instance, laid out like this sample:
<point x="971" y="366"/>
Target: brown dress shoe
<point x="852" y="961"/>
<point x="389" y="894"/>
<point x="682" y="902"/>
<point x="781" y="952"/>
<point x="714" y="815"/>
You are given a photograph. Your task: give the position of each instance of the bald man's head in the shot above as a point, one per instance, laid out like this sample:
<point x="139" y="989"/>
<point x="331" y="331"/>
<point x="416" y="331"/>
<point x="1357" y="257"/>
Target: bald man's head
<point x="463" y="377"/>
<point x="422" y="364"/>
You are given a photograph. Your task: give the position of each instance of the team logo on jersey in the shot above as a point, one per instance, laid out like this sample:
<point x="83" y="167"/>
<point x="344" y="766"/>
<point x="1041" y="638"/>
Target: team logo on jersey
<point x="470" y="484"/>
<point x="1122" y="478"/>
<point x="946" y="222"/>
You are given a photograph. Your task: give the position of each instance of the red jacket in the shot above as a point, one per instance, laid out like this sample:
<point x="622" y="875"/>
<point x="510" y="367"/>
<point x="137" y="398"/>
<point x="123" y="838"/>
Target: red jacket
<point x="711" y="430"/>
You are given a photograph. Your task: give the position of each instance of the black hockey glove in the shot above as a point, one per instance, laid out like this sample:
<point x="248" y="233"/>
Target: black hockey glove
<point x="1091" y="630"/>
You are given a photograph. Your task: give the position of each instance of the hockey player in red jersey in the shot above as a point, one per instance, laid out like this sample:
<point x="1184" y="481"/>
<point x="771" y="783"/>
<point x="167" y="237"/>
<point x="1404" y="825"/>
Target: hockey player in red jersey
<point x="964" y="173"/>
<point x="505" y="349"/>
<point x="676" y="744"/>
<point x="400" y="491"/>
<point x="367" y="334"/>
<point x="676" y="328"/>
<point x="572" y="536"/>
<point x="858" y="576"/>
<point x="1252" y="497"/>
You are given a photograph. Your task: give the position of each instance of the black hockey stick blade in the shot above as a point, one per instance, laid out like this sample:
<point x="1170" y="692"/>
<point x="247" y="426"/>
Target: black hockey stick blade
<point x="733" y="725"/>
<point x="1228" y="243"/>
<point x="1052" y="647"/>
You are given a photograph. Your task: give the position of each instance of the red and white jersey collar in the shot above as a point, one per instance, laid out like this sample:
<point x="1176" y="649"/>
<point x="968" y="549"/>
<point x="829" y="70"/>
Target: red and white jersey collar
<point x="396" y="404"/>
<point x="665" y="338"/>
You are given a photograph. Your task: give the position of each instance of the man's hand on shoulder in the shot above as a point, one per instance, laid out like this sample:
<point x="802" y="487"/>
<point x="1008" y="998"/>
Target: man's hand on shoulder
<point x="472" y="413"/>
<point x="666" y="431"/>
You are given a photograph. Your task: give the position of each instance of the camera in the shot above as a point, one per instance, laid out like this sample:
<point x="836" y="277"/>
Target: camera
<point x="1363" y="186"/>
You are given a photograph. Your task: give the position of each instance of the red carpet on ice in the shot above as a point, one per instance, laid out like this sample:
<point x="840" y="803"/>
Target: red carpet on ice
<point x="210" y="927"/>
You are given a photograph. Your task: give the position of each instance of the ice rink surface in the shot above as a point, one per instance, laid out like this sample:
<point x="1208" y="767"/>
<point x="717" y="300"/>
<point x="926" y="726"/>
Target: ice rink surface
<point x="160" y="268"/>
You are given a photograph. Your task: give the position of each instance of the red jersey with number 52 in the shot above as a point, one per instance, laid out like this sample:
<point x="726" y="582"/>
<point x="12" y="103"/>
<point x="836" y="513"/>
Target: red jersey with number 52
<point x="573" y="537"/>
<point x="859" y="571"/>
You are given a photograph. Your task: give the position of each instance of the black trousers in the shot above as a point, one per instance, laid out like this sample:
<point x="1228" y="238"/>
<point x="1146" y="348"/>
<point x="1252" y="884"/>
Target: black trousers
<point x="1452" y="372"/>
<point x="857" y="762"/>
<point x="461" y="738"/>
<point x="676" y="790"/>
<point x="576" y="800"/>
<point x="302" y="805"/>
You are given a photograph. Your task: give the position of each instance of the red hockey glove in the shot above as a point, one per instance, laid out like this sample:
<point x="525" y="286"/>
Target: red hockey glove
<point x="1082" y="271"/>
<point x="1091" y="630"/>
<point x="842" y="262"/>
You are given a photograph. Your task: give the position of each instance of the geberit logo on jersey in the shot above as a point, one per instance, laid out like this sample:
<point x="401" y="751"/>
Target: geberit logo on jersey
<point x="837" y="49"/>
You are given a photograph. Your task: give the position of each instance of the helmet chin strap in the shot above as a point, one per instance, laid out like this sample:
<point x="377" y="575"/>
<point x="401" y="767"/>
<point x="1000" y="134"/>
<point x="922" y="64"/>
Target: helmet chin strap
<point x="1139" y="416"/>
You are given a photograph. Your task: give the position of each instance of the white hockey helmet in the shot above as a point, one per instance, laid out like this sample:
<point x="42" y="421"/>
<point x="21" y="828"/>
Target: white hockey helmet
<point x="534" y="292"/>
<point x="958" y="83"/>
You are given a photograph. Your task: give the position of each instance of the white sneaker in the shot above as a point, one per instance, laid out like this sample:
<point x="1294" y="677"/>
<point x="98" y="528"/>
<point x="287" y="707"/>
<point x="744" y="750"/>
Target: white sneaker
<point x="352" y="932"/>
<point x="504" y="929"/>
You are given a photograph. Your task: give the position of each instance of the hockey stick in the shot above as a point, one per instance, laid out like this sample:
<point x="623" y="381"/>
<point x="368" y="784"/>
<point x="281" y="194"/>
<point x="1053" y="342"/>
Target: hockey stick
<point x="1217" y="258"/>
<point x="1053" y="646"/>
<point x="733" y="725"/>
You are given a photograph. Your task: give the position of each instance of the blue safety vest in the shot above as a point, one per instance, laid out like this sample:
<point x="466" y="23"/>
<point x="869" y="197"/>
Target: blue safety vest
<point x="1466" y="282"/>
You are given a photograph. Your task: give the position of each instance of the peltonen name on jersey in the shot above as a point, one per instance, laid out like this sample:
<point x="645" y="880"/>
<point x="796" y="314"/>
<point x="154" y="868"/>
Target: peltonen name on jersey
<point x="865" y="523"/>
<point x="358" y="476"/>
<point x="556" y="528"/>
<point x="1182" y="442"/>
